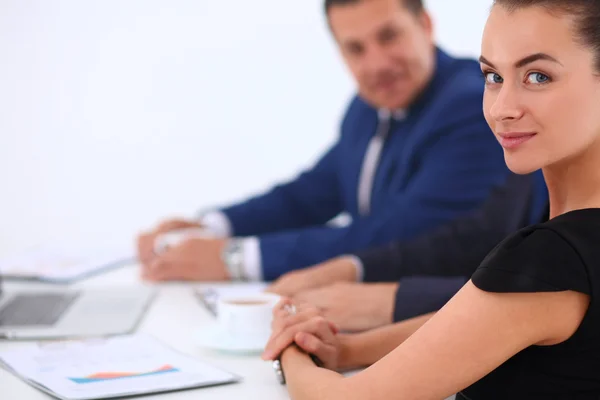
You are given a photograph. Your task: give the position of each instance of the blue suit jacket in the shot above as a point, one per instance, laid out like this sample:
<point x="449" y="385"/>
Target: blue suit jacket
<point x="438" y="163"/>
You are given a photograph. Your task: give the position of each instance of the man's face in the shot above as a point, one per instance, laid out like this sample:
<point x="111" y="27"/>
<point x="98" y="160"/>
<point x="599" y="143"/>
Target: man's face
<point x="389" y="49"/>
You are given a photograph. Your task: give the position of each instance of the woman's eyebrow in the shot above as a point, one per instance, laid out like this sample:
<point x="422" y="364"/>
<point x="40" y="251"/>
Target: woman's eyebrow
<point x="524" y="61"/>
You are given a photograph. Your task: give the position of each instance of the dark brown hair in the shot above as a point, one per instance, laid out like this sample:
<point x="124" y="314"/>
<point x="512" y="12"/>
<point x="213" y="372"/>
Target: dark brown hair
<point x="585" y="13"/>
<point x="414" y="6"/>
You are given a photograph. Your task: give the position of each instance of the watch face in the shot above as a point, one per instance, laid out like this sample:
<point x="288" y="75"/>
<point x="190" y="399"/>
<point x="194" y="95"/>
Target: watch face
<point x="279" y="371"/>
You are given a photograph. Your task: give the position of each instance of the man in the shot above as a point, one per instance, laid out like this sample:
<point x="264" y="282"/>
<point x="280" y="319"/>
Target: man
<point x="414" y="152"/>
<point x="428" y="270"/>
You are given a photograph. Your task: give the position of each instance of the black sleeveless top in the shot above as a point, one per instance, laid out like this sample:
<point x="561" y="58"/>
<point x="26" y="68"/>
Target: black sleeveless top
<point x="558" y="255"/>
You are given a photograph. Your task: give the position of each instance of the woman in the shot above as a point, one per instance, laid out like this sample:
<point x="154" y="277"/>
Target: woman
<point x="527" y="325"/>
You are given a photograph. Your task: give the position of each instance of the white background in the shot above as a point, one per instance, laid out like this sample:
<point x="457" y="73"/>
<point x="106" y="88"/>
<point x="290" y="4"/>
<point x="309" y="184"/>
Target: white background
<point x="116" y="113"/>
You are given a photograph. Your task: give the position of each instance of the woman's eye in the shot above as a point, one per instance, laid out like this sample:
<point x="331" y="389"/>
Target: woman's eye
<point x="537" y="78"/>
<point x="492" y="77"/>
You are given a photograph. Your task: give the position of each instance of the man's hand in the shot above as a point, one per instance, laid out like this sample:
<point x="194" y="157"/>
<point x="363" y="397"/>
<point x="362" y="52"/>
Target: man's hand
<point x="354" y="306"/>
<point x="146" y="240"/>
<point x="340" y="269"/>
<point x="193" y="259"/>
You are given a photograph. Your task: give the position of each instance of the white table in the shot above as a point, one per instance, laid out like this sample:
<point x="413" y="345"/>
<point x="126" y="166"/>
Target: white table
<point x="174" y="317"/>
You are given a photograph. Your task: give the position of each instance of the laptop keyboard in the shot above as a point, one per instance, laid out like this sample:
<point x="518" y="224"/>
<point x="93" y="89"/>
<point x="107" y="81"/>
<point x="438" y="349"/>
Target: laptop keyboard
<point x="36" y="309"/>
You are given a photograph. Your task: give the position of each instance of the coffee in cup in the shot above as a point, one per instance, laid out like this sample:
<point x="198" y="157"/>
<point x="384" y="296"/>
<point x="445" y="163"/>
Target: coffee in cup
<point x="247" y="317"/>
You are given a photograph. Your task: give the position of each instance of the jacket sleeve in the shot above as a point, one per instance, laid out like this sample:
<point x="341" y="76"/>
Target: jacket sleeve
<point x="455" y="176"/>
<point x="418" y="295"/>
<point x="310" y="199"/>
<point x="458" y="247"/>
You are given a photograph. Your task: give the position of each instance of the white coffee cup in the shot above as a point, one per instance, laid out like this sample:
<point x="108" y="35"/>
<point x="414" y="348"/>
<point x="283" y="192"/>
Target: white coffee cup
<point x="247" y="317"/>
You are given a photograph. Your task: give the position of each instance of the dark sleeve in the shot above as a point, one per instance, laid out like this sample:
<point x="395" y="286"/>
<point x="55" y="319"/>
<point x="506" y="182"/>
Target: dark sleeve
<point x="457" y="248"/>
<point x="420" y="295"/>
<point x="533" y="260"/>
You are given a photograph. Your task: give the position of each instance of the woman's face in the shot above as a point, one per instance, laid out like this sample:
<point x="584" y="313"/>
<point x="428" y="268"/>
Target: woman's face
<point x="542" y="93"/>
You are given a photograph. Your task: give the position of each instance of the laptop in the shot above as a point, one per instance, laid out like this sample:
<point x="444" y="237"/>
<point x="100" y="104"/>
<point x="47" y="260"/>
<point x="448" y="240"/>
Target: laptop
<point x="60" y="313"/>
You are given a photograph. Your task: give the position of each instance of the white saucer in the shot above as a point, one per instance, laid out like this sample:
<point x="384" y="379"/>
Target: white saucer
<point x="216" y="338"/>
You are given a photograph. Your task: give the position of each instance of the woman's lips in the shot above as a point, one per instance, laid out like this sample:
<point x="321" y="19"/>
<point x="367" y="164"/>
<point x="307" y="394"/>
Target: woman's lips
<point x="512" y="140"/>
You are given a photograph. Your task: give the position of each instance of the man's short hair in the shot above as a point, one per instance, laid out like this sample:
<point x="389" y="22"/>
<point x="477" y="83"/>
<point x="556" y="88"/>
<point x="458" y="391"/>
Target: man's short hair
<point x="414" y="6"/>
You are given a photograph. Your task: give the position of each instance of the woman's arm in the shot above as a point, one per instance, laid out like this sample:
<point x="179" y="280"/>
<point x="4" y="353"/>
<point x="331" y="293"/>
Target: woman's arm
<point x="357" y="350"/>
<point x="472" y="335"/>
<point x="318" y="336"/>
<point x="364" y="349"/>
<point x="299" y="371"/>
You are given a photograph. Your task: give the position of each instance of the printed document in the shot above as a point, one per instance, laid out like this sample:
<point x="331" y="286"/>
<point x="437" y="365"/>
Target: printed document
<point x="110" y="368"/>
<point x="61" y="264"/>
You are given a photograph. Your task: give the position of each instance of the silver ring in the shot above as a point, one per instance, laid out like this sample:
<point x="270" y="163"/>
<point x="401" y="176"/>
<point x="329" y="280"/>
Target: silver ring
<point x="290" y="308"/>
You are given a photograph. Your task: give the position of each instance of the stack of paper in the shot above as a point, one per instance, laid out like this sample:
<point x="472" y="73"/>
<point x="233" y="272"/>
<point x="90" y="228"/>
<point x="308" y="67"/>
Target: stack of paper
<point x="61" y="264"/>
<point x="110" y="368"/>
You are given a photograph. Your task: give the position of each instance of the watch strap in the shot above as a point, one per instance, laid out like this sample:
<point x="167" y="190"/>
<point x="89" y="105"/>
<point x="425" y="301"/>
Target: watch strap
<point x="233" y="258"/>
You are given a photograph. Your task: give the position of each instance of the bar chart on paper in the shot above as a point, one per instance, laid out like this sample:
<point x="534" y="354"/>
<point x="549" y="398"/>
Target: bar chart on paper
<point x="110" y="376"/>
<point x="111" y="368"/>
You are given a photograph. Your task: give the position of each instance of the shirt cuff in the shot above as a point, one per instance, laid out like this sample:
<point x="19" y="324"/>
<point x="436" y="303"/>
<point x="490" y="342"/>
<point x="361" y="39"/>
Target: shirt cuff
<point x="217" y="223"/>
<point x="358" y="264"/>
<point x="252" y="259"/>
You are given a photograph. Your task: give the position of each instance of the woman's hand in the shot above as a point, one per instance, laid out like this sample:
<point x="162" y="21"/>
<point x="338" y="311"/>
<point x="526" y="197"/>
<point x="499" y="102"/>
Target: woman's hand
<point x="307" y="329"/>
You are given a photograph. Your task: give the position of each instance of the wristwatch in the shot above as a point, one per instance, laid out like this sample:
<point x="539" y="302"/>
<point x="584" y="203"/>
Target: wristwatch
<point x="279" y="371"/>
<point x="233" y="258"/>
